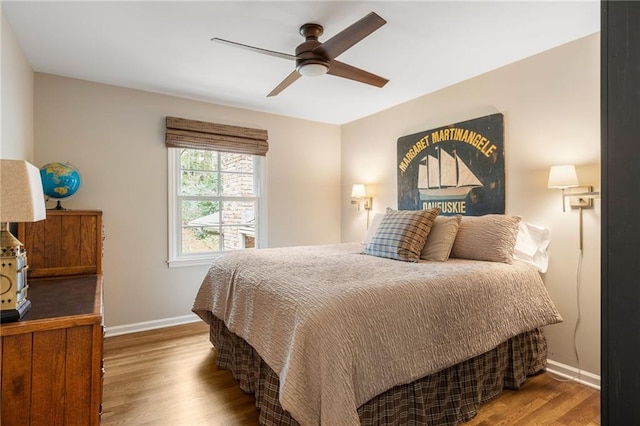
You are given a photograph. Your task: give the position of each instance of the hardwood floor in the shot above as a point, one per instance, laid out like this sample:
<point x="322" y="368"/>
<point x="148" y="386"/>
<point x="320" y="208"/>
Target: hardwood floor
<point x="168" y="377"/>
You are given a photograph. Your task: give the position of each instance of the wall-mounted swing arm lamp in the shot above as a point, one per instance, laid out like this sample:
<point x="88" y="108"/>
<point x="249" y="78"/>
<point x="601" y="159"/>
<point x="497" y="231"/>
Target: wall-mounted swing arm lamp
<point x="563" y="177"/>
<point x="580" y="197"/>
<point x="359" y="196"/>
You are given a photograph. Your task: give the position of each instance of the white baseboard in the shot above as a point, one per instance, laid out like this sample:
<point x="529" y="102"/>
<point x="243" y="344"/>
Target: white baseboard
<point x="150" y="325"/>
<point x="572" y="373"/>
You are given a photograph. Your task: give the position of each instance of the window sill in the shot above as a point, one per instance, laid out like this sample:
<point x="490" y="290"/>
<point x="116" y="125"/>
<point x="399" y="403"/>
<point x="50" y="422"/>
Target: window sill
<point x="192" y="261"/>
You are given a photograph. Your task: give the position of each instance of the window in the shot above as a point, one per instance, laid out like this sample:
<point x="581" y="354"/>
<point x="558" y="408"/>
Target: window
<point x="214" y="200"/>
<point x="217" y="202"/>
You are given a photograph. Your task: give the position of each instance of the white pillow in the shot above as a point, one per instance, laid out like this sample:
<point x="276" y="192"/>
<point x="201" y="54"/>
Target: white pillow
<point x="531" y="246"/>
<point x="373" y="227"/>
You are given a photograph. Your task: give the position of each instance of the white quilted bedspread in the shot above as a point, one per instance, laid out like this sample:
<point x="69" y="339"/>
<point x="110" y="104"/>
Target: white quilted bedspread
<point x="340" y="327"/>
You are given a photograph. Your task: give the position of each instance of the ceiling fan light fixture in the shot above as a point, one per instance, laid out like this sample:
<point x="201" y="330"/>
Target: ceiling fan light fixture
<point x="313" y="69"/>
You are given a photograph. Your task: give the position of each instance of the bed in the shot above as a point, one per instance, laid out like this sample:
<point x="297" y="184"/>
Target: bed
<point x="334" y="335"/>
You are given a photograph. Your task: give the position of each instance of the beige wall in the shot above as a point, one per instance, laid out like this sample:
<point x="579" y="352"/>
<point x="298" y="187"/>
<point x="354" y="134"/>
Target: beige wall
<point x="551" y="107"/>
<point x="115" y="137"/>
<point x="16" y="139"/>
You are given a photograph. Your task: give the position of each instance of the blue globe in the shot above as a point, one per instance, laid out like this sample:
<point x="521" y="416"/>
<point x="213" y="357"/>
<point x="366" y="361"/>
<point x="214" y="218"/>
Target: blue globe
<point x="60" y="180"/>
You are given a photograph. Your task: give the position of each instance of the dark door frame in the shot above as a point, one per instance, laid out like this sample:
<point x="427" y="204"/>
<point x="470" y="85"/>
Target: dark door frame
<point x="620" y="258"/>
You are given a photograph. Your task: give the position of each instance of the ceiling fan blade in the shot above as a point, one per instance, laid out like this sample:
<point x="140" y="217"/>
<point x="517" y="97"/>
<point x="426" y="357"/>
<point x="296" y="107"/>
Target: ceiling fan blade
<point x="288" y="81"/>
<point x="340" y="69"/>
<point x="255" y="49"/>
<point x="351" y="35"/>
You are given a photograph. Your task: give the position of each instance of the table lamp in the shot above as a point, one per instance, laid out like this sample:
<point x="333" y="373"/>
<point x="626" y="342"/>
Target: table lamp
<point x="21" y="200"/>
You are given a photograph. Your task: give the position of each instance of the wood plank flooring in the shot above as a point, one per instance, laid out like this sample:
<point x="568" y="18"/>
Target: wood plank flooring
<point x="168" y="377"/>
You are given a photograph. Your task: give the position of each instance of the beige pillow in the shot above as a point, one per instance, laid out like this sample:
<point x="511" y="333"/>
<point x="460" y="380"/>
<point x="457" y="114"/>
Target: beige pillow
<point x="491" y="237"/>
<point x="401" y="234"/>
<point x="441" y="238"/>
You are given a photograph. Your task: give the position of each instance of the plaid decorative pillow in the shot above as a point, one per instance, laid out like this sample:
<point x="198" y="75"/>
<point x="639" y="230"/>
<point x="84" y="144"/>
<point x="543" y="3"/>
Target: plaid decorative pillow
<point x="401" y="234"/>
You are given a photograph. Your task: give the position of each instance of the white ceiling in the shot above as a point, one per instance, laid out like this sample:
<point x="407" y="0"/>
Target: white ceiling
<point x="165" y="47"/>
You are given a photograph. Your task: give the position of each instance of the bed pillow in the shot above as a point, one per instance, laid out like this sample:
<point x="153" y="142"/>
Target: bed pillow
<point x="490" y="237"/>
<point x="373" y="227"/>
<point x="401" y="234"/>
<point x="531" y="245"/>
<point x="440" y="240"/>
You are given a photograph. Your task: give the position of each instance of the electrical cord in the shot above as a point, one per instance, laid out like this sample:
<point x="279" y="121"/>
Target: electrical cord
<point x="576" y="377"/>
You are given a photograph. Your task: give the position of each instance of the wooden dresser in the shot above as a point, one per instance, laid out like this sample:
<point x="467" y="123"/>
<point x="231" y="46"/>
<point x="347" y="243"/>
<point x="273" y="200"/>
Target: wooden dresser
<point x="52" y="359"/>
<point x="67" y="242"/>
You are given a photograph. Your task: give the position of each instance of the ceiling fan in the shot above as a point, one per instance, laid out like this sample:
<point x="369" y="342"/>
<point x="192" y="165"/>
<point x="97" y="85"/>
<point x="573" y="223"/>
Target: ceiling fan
<point x="314" y="58"/>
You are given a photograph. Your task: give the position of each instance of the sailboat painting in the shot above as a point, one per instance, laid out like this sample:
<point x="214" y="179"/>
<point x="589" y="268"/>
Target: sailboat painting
<point x="445" y="176"/>
<point x="458" y="168"/>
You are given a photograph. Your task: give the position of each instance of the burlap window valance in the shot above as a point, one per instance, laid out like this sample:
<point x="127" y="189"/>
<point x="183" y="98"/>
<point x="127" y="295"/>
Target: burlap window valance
<point x="192" y="134"/>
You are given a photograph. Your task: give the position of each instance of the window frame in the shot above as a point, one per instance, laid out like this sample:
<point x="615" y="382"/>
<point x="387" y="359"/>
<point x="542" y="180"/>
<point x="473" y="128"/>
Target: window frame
<point x="175" y="257"/>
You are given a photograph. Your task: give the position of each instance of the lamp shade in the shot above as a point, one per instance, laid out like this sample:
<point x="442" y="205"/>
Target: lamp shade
<point x="358" y="191"/>
<point x="563" y="176"/>
<point x="21" y="194"/>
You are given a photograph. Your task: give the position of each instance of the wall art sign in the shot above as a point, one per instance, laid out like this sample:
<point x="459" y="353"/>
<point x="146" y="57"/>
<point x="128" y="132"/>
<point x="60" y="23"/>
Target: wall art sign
<point x="458" y="168"/>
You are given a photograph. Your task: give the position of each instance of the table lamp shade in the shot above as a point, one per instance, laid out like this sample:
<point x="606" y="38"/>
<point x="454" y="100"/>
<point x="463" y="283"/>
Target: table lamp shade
<point x="21" y="194"/>
<point x="21" y="200"/>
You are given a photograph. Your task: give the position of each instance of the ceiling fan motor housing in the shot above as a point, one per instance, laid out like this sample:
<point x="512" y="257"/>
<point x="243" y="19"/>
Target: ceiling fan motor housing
<point x="305" y="54"/>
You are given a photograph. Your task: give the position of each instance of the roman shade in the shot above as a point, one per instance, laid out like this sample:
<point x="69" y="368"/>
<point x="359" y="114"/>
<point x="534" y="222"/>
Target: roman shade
<point x="192" y="134"/>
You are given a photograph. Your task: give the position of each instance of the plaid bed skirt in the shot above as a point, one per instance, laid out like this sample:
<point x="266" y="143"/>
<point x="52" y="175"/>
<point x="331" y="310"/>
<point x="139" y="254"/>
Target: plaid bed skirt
<point x="448" y="397"/>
